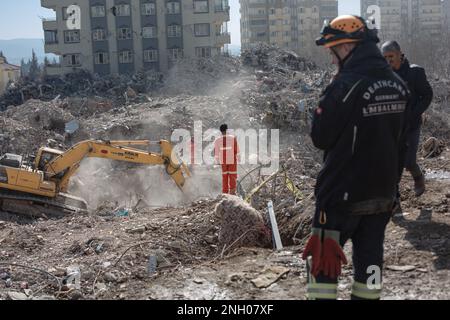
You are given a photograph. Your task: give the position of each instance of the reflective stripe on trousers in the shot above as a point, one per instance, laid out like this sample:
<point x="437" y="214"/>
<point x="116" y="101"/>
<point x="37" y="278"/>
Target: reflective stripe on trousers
<point x="361" y="291"/>
<point x="322" y="291"/>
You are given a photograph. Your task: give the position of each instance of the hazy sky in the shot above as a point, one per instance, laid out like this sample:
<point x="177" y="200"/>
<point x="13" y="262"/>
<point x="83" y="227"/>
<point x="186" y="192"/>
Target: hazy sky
<point x="21" y="19"/>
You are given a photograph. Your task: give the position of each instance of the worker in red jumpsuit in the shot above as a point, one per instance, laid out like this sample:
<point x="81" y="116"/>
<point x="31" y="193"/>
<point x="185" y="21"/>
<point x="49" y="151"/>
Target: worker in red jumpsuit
<point x="226" y="153"/>
<point x="192" y="147"/>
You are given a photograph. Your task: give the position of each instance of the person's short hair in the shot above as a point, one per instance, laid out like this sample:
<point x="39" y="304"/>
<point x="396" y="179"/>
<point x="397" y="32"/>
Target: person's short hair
<point x="390" y="45"/>
<point x="223" y="128"/>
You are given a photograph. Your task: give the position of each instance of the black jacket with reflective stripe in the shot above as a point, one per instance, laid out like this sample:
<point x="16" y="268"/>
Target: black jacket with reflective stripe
<point x="360" y="124"/>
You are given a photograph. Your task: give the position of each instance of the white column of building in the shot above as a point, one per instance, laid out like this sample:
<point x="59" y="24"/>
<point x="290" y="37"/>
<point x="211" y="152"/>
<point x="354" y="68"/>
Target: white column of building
<point x="112" y="38"/>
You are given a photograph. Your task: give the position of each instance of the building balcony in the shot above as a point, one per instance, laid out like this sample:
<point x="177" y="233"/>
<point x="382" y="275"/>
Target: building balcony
<point x="49" y="4"/>
<point x="52" y="47"/>
<point x="49" y="24"/>
<point x="222" y="13"/>
<point x="224" y="38"/>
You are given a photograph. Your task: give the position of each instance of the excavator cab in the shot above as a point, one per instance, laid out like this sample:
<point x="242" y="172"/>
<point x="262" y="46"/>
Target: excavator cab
<point x="44" y="156"/>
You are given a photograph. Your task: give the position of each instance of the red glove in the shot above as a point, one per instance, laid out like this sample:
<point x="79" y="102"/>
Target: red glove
<point x="332" y="256"/>
<point x="327" y="255"/>
<point x="314" y="248"/>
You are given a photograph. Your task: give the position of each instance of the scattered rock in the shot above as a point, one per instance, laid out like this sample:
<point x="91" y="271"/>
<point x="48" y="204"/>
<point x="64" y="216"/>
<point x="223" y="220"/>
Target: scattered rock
<point x="110" y="277"/>
<point x="269" y="276"/>
<point x="75" y="295"/>
<point x="401" y="268"/>
<point x="140" y="229"/>
<point x="17" y="295"/>
<point x="198" y="281"/>
<point x="44" y="297"/>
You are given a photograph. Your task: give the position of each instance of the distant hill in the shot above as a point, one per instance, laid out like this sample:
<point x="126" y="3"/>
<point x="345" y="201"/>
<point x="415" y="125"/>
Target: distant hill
<point x="18" y="49"/>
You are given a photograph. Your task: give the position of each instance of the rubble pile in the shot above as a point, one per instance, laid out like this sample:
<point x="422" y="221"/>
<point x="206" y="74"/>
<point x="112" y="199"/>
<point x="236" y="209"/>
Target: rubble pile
<point x="82" y="84"/>
<point x="291" y="190"/>
<point x="288" y="86"/>
<point x="144" y="244"/>
<point x="241" y="224"/>
<point x="36" y="123"/>
<point x="199" y="76"/>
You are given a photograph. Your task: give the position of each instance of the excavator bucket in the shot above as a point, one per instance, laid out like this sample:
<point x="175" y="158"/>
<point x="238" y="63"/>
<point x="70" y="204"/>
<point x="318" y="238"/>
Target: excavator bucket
<point x="174" y="167"/>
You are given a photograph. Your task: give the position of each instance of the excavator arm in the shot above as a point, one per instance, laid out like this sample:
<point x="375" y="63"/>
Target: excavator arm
<point x="68" y="162"/>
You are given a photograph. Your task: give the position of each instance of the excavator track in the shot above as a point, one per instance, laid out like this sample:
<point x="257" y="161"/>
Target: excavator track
<point x="23" y="204"/>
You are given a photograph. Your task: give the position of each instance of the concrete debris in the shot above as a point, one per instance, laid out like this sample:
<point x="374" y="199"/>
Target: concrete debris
<point x="82" y="84"/>
<point x="401" y="268"/>
<point x="200" y="76"/>
<point x="138" y="228"/>
<point x="241" y="225"/>
<point x="288" y="86"/>
<point x="17" y="296"/>
<point x="432" y="147"/>
<point x="269" y="276"/>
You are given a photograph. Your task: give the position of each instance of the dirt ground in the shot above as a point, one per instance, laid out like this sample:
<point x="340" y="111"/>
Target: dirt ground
<point x="116" y="254"/>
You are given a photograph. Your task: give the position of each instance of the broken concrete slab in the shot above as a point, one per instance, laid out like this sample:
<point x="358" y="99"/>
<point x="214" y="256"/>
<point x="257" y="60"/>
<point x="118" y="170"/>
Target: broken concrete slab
<point x="405" y="268"/>
<point x="269" y="276"/>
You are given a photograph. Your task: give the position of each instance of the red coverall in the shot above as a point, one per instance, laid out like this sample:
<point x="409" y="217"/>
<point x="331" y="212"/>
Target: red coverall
<point x="192" y="145"/>
<point x="226" y="152"/>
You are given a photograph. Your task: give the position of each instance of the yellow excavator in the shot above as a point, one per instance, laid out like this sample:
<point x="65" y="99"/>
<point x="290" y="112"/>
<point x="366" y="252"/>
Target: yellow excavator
<point x="38" y="187"/>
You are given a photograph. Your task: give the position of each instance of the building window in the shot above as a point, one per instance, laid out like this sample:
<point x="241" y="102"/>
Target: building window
<point x="150" y="55"/>
<point x="124" y="33"/>
<point x="148" y="9"/>
<point x="220" y="5"/>
<point x="175" y="53"/>
<point x="122" y="10"/>
<point x="201" y="6"/>
<point x="99" y="35"/>
<point x="202" y="29"/>
<point x="173" y="8"/>
<point x="149" y="32"/>
<point x="98" y="11"/>
<point x="174" y="31"/>
<point x="203" y="52"/>
<point x="51" y="36"/>
<point x="72" y="59"/>
<point x="101" y="58"/>
<point x="72" y="36"/>
<point x="125" y="56"/>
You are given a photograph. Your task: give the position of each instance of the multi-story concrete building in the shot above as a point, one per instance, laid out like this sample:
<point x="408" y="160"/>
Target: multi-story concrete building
<point x="408" y="20"/>
<point x="289" y="24"/>
<point x="125" y="36"/>
<point x="446" y="14"/>
<point x="8" y="73"/>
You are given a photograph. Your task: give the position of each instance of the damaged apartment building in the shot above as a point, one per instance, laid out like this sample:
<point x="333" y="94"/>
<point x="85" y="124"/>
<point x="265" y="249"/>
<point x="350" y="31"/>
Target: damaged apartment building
<point x="127" y="36"/>
<point x="408" y="20"/>
<point x="288" y="24"/>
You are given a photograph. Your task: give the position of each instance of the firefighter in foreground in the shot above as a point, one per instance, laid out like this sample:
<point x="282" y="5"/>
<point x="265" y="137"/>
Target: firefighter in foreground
<point x="360" y="124"/>
<point x="421" y="96"/>
<point x="226" y="152"/>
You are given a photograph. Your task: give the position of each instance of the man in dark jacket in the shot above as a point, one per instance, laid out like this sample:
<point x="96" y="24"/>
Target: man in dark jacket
<point x="421" y="96"/>
<point x="360" y="124"/>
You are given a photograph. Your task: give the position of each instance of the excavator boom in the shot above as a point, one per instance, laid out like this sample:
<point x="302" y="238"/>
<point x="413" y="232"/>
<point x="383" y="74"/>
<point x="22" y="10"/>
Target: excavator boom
<point x="41" y="188"/>
<point x="120" y="151"/>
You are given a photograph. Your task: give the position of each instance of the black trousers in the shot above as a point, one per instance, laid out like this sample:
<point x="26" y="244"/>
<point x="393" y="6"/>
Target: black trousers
<point x="411" y="165"/>
<point x="367" y="235"/>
